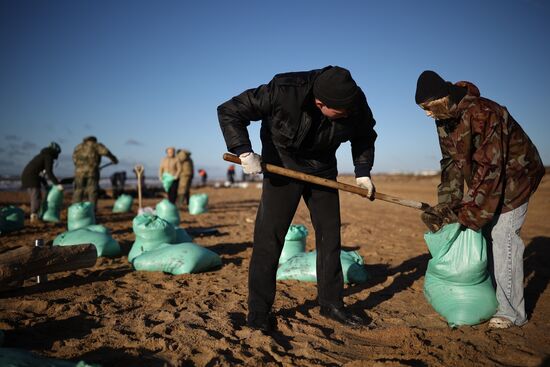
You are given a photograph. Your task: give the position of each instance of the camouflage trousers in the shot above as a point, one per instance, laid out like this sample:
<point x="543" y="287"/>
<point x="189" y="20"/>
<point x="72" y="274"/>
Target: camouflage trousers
<point x="86" y="188"/>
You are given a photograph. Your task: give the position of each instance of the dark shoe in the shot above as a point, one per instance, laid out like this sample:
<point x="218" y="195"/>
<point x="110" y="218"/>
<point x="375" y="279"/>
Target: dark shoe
<point x="264" y="321"/>
<point x="342" y="315"/>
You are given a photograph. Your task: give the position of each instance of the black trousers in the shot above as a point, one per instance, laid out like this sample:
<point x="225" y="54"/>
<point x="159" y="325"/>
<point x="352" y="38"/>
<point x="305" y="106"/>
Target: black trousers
<point x="280" y="199"/>
<point x="173" y="192"/>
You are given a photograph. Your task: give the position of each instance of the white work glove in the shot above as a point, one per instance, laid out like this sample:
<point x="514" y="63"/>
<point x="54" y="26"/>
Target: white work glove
<point x="366" y="183"/>
<point x="60" y="187"/>
<point x="251" y="163"/>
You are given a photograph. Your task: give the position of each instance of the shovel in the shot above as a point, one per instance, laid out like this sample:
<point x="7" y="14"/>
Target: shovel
<point x="139" y="171"/>
<point x="331" y="183"/>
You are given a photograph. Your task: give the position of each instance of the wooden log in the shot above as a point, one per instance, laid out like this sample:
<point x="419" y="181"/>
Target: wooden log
<point x="20" y="263"/>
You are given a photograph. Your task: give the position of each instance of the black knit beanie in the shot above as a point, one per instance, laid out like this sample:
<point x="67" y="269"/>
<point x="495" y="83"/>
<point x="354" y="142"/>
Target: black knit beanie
<point x="430" y="86"/>
<point x="336" y="88"/>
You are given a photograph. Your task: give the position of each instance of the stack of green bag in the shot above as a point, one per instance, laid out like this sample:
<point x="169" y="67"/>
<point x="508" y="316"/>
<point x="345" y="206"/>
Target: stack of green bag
<point x="168" y="211"/>
<point x="12" y="218"/>
<point x="95" y="234"/>
<point x="183" y="258"/>
<point x="457" y="283"/>
<point x="303" y="267"/>
<point x="80" y="215"/>
<point x="151" y="231"/>
<point x="123" y="204"/>
<point x="295" y="242"/>
<point x="198" y="204"/>
<point x="51" y="208"/>
<point x="167" y="180"/>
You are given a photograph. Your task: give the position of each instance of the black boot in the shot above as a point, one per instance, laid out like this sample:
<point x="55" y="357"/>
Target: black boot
<point x="342" y="315"/>
<point x="264" y="321"/>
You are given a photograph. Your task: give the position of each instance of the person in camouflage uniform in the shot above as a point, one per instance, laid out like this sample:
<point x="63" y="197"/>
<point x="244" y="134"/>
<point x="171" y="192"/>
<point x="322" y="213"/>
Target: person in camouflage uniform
<point x="87" y="157"/>
<point x="186" y="176"/>
<point x="483" y="146"/>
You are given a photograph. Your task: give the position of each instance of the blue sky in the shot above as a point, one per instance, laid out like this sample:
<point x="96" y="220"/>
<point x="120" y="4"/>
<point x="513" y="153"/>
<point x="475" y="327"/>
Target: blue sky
<point x="144" y="75"/>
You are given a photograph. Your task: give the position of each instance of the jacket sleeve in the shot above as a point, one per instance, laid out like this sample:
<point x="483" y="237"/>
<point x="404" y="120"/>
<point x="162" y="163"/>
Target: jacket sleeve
<point x="235" y="115"/>
<point x="487" y="183"/>
<point x="362" y="143"/>
<point x="451" y="188"/>
<point x="48" y="167"/>
<point x="178" y="169"/>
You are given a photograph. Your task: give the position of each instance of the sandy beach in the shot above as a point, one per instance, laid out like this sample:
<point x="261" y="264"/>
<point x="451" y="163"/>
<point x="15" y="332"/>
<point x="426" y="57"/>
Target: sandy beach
<point x="115" y="316"/>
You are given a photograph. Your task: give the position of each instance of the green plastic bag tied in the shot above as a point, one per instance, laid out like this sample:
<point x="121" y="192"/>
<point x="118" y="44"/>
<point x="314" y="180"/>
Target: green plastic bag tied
<point x="95" y="234"/>
<point x="303" y="267"/>
<point x="168" y="211"/>
<point x="457" y="283"/>
<point x="151" y="231"/>
<point x="13" y="357"/>
<point x="12" y="218"/>
<point x="167" y="180"/>
<point x="51" y="208"/>
<point x="198" y="204"/>
<point x="80" y="215"/>
<point x="183" y="258"/>
<point x="123" y="204"/>
<point x="295" y="242"/>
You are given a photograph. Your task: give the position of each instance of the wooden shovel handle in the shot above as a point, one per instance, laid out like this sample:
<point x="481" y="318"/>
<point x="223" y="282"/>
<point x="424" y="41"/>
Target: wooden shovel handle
<point x="267" y="167"/>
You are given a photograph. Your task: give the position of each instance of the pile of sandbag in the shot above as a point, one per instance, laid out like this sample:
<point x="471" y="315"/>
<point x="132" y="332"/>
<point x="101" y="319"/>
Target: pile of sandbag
<point x="168" y="211"/>
<point x="12" y="218"/>
<point x="198" y="204"/>
<point x="80" y="215"/>
<point x="51" y="207"/>
<point x="123" y="204"/>
<point x="160" y="246"/>
<point x="295" y="242"/>
<point x="457" y="283"/>
<point x="167" y="180"/>
<point x="95" y="234"/>
<point x="303" y="267"/>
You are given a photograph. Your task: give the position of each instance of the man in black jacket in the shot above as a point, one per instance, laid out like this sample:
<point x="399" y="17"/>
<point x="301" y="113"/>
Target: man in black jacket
<point x="31" y="178"/>
<point x="305" y="117"/>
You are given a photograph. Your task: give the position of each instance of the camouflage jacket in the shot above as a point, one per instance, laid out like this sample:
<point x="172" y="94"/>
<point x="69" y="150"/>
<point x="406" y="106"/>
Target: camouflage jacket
<point x="187" y="169"/>
<point x="486" y="148"/>
<point x="87" y="156"/>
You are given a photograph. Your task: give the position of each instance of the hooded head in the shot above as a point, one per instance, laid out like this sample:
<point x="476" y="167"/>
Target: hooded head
<point x="436" y="96"/>
<point x="55" y="149"/>
<point x="336" y="89"/>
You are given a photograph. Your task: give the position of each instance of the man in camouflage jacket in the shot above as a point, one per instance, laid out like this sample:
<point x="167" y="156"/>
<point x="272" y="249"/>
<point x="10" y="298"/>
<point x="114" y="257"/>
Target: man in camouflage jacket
<point x="483" y="146"/>
<point x="87" y="157"/>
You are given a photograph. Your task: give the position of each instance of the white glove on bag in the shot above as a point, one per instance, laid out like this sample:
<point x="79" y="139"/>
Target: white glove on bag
<point x="366" y="183"/>
<point x="60" y="187"/>
<point x="251" y="163"/>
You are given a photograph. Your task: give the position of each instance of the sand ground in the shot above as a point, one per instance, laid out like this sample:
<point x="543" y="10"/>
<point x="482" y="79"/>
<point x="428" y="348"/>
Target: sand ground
<point x="113" y="315"/>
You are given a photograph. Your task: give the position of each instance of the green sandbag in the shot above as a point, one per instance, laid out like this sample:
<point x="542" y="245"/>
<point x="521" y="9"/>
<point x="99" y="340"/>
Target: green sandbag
<point x="303" y="267"/>
<point x="12" y="218"/>
<point x="80" y="215"/>
<point x="198" y="204"/>
<point x="168" y="211"/>
<point x="182" y="236"/>
<point x="12" y="357"/>
<point x="457" y="283"/>
<point x="95" y="234"/>
<point x="167" y="180"/>
<point x="295" y="242"/>
<point x="151" y="231"/>
<point x="183" y="258"/>
<point x="123" y="204"/>
<point x="51" y="208"/>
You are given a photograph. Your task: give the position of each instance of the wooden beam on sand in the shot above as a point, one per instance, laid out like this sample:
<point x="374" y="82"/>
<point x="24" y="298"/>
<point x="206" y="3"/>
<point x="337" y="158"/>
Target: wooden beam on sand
<point x="20" y="263"/>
